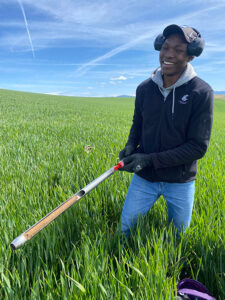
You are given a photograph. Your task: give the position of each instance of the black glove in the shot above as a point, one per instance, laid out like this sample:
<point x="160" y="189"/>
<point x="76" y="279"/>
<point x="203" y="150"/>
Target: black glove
<point x="136" y="162"/>
<point x="128" y="150"/>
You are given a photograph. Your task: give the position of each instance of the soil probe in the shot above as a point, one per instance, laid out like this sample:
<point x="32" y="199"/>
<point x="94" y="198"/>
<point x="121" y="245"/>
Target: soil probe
<point x="33" y="230"/>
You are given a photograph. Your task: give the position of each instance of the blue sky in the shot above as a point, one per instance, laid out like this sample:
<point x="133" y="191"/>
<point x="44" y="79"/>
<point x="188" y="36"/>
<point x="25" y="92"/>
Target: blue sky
<point x="100" y="48"/>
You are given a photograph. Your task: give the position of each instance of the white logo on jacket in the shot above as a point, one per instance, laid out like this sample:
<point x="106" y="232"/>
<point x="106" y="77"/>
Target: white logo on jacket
<point x="184" y="99"/>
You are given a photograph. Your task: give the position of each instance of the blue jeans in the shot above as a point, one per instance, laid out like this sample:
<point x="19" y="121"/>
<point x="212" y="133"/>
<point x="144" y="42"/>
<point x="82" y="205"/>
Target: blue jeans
<point x="142" y="194"/>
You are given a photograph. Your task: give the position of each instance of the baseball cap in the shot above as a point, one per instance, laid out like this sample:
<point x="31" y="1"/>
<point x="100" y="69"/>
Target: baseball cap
<point x="189" y="33"/>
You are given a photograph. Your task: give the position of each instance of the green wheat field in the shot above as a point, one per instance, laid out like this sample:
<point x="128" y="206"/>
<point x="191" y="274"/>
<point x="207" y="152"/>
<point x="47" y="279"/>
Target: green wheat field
<point x="43" y="162"/>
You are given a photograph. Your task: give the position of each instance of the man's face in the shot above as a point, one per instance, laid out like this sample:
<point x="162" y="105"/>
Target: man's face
<point x="173" y="56"/>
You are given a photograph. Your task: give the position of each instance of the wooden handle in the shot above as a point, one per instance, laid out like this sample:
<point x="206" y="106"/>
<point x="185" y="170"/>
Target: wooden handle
<point x="50" y="217"/>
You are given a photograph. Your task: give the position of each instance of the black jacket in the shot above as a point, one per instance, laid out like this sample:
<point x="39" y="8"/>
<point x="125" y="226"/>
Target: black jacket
<point x="175" y="141"/>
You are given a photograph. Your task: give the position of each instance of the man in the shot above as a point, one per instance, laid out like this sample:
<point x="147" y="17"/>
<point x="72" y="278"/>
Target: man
<point x="171" y="130"/>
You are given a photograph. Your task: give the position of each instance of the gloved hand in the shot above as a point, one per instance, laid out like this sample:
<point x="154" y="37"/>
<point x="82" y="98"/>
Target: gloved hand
<point x="128" y="150"/>
<point x="136" y="162"/>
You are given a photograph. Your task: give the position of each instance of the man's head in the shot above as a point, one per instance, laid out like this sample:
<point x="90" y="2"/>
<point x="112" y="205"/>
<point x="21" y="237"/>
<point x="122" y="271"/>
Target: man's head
<point x="173" y="55"/>
<point x="178" y="46"/>
<point x="191" y="36"/>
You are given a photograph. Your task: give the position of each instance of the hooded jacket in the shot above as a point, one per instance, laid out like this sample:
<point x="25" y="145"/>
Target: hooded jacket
<point x="173" y="125"/>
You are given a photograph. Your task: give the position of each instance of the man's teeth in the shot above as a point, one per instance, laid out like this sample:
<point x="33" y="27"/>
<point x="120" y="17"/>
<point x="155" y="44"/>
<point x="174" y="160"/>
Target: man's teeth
<point x="167" y="63"/>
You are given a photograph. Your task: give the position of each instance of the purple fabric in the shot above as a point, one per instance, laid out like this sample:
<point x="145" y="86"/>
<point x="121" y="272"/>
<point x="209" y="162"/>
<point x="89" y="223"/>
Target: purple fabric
<point x="195" y="293"/>
<point x="194" y="289"/>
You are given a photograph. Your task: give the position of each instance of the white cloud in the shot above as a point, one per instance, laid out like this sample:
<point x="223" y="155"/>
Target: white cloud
<point x="26" y="25"/>
<point x="119" y="78"/>
<point x="83" y="22"/>
<point x="86" y="66"/>
<point x="55" y="93"/>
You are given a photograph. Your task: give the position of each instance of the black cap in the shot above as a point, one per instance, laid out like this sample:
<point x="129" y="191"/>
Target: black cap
<point x="189" y="33"/>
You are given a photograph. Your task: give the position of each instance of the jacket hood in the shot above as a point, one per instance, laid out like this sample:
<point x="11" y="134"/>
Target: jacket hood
<point x="186" y="76"/>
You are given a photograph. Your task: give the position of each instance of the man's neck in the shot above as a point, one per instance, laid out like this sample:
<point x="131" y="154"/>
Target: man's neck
<point x="170" y="80"/>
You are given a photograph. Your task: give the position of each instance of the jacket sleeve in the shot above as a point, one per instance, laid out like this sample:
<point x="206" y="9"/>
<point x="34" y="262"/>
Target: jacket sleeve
<point x="135" y="131"/>
<point x="197" y="139"/>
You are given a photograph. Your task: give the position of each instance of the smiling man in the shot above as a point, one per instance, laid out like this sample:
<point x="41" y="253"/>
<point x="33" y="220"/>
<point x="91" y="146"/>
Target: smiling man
<point x="171" y="130"/>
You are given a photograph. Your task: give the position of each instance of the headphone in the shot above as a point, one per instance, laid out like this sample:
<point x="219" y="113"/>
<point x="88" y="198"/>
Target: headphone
<point x="194" y="48"/>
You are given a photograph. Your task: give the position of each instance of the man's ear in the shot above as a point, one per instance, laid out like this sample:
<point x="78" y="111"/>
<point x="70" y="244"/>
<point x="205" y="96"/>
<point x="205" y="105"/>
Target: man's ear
<point x="190" y="58"/>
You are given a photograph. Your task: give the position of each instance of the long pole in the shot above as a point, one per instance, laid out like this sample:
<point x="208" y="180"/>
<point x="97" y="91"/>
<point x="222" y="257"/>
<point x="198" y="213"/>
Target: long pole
<point x="33" y="230"/>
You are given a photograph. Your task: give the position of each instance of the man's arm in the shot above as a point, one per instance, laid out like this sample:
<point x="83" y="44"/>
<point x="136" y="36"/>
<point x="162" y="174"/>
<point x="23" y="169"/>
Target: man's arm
<point x="198" y="136"/>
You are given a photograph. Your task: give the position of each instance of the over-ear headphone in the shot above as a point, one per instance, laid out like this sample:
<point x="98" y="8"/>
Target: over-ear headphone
<point x="194" y="48"/>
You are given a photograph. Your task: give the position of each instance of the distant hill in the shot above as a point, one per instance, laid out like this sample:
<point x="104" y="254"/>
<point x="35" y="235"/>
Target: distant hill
<point x="219" y="92"/>
<point x="122" y="96"/>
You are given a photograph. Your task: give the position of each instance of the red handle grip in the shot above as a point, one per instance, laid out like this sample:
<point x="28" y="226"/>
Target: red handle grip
<point x="119" y="165"/>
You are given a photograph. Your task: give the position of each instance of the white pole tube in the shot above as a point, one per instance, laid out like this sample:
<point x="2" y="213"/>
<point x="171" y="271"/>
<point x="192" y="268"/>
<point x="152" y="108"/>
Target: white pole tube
<point x="33" y="230"/>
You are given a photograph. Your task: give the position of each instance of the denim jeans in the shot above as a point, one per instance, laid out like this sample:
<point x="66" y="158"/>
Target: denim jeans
<point x="142" y="194"/>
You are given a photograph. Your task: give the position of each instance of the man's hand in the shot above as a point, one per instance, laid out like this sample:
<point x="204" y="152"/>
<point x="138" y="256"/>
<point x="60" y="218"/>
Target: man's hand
<point x="128" y="150"/>
<point x="136" y="162"/>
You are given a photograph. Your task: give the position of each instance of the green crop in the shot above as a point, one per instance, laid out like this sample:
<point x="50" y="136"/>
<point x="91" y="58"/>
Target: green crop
<point x="44" y="159"/>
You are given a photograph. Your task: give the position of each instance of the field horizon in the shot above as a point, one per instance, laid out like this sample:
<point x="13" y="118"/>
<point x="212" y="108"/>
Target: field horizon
<point x="217" y="95"/>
